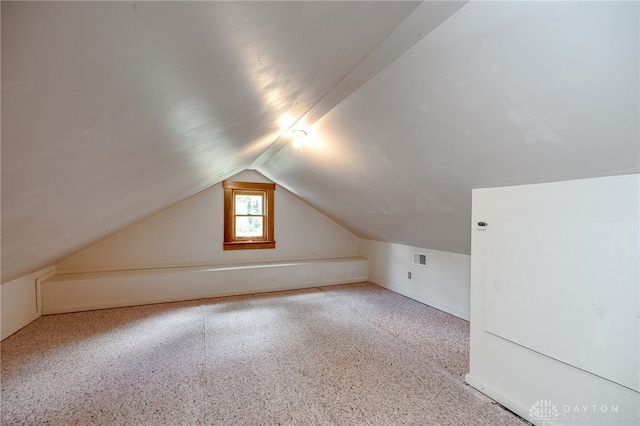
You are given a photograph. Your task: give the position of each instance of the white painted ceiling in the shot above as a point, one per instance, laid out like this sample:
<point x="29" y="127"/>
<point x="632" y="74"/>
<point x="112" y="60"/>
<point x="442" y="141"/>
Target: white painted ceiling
<point x="502" y="93"/>
<point x="113" y="111"/>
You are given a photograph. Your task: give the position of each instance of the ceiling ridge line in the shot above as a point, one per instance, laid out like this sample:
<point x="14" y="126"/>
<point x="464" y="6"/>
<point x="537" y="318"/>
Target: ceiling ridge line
<point x="404" y="33"/>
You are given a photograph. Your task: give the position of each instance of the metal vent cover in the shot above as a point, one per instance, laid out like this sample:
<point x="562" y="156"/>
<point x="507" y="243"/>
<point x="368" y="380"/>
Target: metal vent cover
<point x="420" y="259"/>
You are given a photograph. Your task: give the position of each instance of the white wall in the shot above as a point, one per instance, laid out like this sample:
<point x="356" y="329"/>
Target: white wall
<point x="99" y="290"/>
<point x="555" y="298"/>
<point x="19" y="302"/>
<point x="191" y="233"/>
<point x="177" y="254"/>
<point x="443" y="283"/>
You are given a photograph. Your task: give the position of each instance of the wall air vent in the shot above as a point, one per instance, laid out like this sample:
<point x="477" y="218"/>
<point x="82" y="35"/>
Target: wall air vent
<point x="420" y="259"/>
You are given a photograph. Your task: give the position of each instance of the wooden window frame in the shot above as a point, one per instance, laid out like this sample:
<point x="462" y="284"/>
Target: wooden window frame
<point x="267" y="241"/>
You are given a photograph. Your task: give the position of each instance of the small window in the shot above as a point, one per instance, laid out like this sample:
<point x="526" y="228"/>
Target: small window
<point x="248" y="215"/>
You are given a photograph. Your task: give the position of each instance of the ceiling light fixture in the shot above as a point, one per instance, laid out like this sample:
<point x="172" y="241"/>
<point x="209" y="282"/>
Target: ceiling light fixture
<point x="299" y="137"/>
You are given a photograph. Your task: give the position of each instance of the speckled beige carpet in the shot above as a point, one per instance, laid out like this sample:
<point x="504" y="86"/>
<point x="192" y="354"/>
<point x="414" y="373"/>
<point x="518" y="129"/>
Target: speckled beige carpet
<point x="342" y="355"/>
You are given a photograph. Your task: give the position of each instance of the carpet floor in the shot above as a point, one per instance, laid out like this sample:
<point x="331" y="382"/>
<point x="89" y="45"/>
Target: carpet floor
<point x="354" y="354"/>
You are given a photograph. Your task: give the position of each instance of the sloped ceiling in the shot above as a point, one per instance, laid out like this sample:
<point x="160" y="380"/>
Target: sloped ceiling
<point x="502" y="93"/>
<point x="113" y="111"/>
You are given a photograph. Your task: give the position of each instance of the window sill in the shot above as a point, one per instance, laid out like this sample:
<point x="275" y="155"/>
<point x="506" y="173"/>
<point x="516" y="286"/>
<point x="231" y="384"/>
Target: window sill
<point x="249" y="245"/>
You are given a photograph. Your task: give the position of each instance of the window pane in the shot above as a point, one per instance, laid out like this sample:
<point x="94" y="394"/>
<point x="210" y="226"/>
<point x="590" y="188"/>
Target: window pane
<point x="249" y="226"/>
<point x="248" y="204"/>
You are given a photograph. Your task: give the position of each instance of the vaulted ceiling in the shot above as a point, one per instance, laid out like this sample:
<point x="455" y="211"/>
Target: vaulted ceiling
<point x="112" y="111"/>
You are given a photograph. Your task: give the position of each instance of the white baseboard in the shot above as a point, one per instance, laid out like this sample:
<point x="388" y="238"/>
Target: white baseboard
<point x="6" y="332"/>
<point x="501" y="398"/>
<point x="429" y="302"/>
<point x="443" y="308"/>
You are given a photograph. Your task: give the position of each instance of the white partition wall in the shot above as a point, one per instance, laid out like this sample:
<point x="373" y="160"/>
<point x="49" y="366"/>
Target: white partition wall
<point x="555" y="300"/>
<point x="441" y="282"/>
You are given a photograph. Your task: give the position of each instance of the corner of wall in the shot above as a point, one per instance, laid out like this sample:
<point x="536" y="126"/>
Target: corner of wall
<point x="20" y="301"/>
